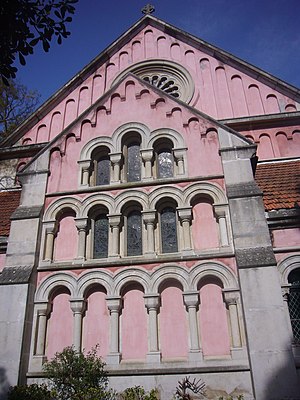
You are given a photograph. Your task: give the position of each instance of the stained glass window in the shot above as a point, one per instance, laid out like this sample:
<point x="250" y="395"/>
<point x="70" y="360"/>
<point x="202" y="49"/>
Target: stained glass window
<point x="294" y="304"/>
<point x="134" y="233"/>
<point x="101" y="236"/>
<point x="168" y="230"/>
<point x="164" y="163"/>
<point x="103" y="171"/>
<point x="133" y="162"/>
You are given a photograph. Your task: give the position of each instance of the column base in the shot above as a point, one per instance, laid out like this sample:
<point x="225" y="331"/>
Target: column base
<point x="195" y="355"/>
<point x="238" y="353"/>
<point x="154" y="357"/>
<point x="78" y="260"/>
<point x="113" y="358"/>
<point x="36" y="363"/>
<point x="187" y="252"/>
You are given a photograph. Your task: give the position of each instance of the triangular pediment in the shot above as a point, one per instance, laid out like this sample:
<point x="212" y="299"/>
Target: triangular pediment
<point x="225" y="87"/>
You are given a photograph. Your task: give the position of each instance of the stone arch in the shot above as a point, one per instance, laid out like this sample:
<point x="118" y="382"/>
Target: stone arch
<point x="58" y="206"/>
<point x="166" y="192"/>
<point x="216" y="270"/>
<point x="132" y="275"/>
<point x="166" y="133"/>
<point x="97" y="200"/>
<point x="169" y="272"/>
<point x="286" y="266"/>
<point x="49" y="284"/>
<point x="137" y="127"/>
<point x="211" y="190"/>
<point x="89" y="147"/>
<point x="131" y="196"/>
<point x="87" y="280"/>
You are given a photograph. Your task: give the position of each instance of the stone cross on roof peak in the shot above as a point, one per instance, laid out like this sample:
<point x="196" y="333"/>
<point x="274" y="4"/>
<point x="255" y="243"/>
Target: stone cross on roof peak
<point x="148" y="9"/>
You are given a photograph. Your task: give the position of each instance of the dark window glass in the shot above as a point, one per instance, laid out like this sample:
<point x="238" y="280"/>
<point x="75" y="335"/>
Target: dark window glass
<point x="133" y="162"/>
<point x="101" y="236"/>
<point x="294" y="304"/>
<point x="164" y="163"/>
<point x="134" y="233"/>
<point x="168" y="230"/>
<point x="103" y="171"/>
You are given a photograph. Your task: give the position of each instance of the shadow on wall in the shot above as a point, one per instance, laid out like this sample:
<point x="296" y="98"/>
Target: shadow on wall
<point x="277" y="391"/>
<point x="4" y="384"/>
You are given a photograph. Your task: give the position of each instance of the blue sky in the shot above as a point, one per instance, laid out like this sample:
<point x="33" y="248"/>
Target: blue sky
<point x="265" y="33"/>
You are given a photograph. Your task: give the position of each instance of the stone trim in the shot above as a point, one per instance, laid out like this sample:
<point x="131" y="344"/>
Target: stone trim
<point x="16" y="275"/>
<point x="240" y="190"/>
<point x="27" y="212"/>
<point x="255" y="257"/>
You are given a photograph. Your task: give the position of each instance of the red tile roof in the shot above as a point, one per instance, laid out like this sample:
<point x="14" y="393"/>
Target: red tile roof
<point x="9" y="201"/>
<point x="280" y="183"/>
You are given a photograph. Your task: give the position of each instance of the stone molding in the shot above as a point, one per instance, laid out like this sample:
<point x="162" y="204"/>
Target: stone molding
<point x="16" y="275"/>
<point x="240" y="190"/>
<point x="255" y="257"/>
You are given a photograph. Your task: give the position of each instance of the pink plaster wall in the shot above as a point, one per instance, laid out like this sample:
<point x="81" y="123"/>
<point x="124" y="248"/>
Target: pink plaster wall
<point x="96" y="323"/>
<point x="213" y="321"/>
<point x="204" y="226"/>
<point x="66" y="241"/>
<point x="173" y="324"/>
<point x="286" y="237"/>
<point x="134" y="344"/>
<point x="60" y="325"/>
<point x="2" y="261"/>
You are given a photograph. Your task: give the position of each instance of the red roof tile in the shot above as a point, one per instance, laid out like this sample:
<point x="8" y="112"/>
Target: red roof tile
<point x="9" y="201"/>
<point x="280" y="183"/>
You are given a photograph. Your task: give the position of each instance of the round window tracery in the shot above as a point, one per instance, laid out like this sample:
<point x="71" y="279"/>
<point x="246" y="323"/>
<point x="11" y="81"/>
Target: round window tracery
<point x="167" y="76"/>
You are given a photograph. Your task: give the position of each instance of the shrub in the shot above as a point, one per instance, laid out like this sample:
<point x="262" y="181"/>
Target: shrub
<point x="78" y="376"/>
<point x="29" y="392"/>
<point x="139" y="393"/>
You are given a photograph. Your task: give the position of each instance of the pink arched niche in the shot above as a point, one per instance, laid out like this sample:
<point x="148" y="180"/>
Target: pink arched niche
<point x="55" y="170"/>
<point x="238" y="98"/>
<point x="134" y="342"/>
<point x="162" y="48"/>
<point x="175" y="51"/>
<point x="265" y="148"/>
<point x="213" y="323"/>
<point x="173" y="324"/>
<point x="272" y="106"/>
<point x="223" y="101"/>
<point x="254" y="100"/>
<point x="137" y="50"/>
<point x="95" y="329"/>
<point x="66" y="240"/>
<point x="60" y="323"/>
<point x="204" y="225"/>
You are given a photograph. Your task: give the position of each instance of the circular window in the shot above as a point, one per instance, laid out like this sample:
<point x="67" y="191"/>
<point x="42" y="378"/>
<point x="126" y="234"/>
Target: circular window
<point x="169" y="77"/>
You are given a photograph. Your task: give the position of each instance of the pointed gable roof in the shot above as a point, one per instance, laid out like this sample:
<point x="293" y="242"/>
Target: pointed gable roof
<point x="176" y="33"/>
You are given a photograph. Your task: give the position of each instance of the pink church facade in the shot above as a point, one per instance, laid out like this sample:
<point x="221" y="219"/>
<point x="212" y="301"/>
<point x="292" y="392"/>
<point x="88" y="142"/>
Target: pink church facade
<point x="146" y="224"/>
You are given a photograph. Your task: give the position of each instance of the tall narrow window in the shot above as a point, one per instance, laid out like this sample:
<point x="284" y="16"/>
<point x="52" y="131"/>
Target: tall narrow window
<point x="294" y="303"/>
<point x="100" y="171"/>
<point x="101" y="236"/>
<point x="164" y="158"/>
<point x="133" y="162"/>
<point x="134" y="233"/>
<point x="168" y="230"/>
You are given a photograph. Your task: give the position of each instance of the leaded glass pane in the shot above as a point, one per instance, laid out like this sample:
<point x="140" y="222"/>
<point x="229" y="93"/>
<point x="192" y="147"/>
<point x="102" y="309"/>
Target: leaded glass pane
<point x="101" y="236"/>
<point x="294" y="308"/>
<point x="133" y="162"/>
<point x="103" y="171"/>
<point x="168" y="230"/>
<point x="164" y="164"/>
<point x="134" y="233"/>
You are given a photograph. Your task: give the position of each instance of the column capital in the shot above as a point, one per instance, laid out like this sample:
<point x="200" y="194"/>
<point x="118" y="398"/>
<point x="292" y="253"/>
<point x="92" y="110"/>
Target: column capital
<point x="230" y="297"/>
<point x="81" y="223"/>
<point x="114" y="303"/>
<point x="78" y="305"/>
<point x="114" y="219"/>
<point x="179" y="152"/>
<point x="149" y="216"/>
<point x="115" y="157"/>
<point x="147" y="154"/>
<point x="42" y="307"/>
<point x="51" y="226"/>
<point x="285" y="290"/>
<point x="220" y="210"/>
<point x="152" y="301"/>
<point x="185" y="213"/>
<point x="191" y="298"/>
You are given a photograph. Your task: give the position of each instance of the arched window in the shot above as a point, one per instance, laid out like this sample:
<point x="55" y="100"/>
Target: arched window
<point x="134" y="233"/>
<point x="132" y="158"/>
<point x="100" y="174"/>
<point x="294" y="303"/>
<point x="99" y="233"/>
<point x="168" y="227"/>
<point x="164" y="159"/>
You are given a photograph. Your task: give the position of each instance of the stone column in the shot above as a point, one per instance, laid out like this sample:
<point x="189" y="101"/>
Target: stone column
<point x="152" y="303"/>
<point x="185" y="217"/>
<point x="285" y="295"/>
<point x="147" y="156"/>
<point x="114" y="223"/>
<point x="220" y="215"/>
<point x="231" y="300"/>
<point x="114" y="305"/>
<point x="43" y="310"/>
<point x="115" y="160"/>
<point x="179" y="158"/>
<point x="50" y="232"/>
<point x="85" y="172"/>
<point x="192" y="301"/>
<point x="82" y="226"/>
<point x="78" y="307"/>
<point x="149" y="218"/>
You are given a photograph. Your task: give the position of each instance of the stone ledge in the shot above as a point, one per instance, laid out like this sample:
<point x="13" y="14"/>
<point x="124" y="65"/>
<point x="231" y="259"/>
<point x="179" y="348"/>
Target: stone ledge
<point x="15" y="275"/>
<point x="27" y="212"/>
<point x="240" y="190"/>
